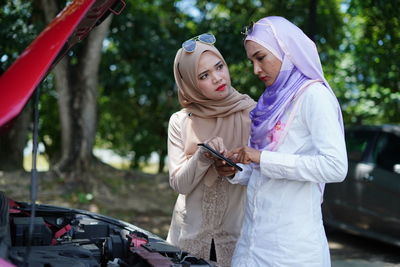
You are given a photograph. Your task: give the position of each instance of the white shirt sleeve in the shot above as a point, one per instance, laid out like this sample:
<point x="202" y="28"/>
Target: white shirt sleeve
<point x="320" y="114"/>
<point x="242" y="177"/>
<point x="184" y="173"/>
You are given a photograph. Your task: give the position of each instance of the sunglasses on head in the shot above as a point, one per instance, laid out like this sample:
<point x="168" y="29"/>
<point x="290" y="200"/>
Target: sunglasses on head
<point x="190" y="45"/>
<point x="247" y="29"/>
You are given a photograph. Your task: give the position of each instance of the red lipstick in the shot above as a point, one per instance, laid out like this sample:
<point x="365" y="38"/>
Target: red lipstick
<point x="221" y="87"/>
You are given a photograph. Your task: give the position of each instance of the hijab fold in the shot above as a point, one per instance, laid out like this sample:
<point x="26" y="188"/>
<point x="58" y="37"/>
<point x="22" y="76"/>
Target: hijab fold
<point x="300" y="63"/>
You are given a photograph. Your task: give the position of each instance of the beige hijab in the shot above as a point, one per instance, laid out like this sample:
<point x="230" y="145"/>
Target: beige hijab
<point x="227" y="118"/>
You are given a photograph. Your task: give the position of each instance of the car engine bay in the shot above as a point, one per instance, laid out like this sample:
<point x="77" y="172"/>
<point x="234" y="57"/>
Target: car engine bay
<point x="67" y="237"/>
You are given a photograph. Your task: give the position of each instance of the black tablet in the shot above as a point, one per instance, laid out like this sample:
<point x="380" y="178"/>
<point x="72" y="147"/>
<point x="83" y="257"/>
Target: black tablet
<point x="220" y="156"/>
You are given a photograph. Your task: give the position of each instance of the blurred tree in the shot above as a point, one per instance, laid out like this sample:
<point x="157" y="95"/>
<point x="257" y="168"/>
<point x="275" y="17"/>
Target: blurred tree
<point x="17" y="31"/>
<point x="321" y="20"/>
<point x="76" y="81"/>
<point x="371" y="67"/>
<point x="138" y="96"/>
<point x="138" y="93"/>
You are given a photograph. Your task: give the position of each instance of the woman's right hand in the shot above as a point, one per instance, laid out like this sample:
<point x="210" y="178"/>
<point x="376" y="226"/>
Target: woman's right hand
<point x="222" y="168"/>
<point x="216" y="143"/>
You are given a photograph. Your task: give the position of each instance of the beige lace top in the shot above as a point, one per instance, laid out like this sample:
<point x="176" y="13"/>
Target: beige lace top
<point x="202" y="212"/>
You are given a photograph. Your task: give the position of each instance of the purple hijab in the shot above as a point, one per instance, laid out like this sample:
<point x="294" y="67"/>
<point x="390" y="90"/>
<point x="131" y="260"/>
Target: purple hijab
<point x="300" y="63"/>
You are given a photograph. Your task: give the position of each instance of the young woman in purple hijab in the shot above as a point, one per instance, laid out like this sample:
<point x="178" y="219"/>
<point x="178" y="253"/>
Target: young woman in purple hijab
<point x="296" y="146"/>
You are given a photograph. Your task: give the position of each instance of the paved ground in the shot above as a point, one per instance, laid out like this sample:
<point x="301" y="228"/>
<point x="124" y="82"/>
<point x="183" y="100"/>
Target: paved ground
<point x="354" y="251"/>
<point x="360" y="263"/>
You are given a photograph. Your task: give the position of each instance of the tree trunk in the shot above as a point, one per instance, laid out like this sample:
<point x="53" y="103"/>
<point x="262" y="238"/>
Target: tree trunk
<point x="76" y="85"/>
<point x="312" y="19"/>
<point x="13" y="141"/>
<point x="161" y="164"/>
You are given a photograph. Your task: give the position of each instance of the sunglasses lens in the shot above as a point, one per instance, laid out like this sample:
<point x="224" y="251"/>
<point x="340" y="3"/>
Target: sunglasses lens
<point x="189" y="45"/>
<point x="247" y="30"/>
<point x="207" y="38"/>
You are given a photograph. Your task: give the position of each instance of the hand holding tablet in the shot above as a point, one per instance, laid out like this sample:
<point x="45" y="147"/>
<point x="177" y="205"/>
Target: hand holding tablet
<point x="220" y="156"/>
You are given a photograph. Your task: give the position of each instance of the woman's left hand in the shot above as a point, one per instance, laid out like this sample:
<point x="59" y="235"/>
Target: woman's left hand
<point x="223" y="169"/>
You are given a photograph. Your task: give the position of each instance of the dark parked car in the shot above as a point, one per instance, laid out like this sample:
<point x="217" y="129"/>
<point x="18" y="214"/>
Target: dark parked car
<point x="34" y="235"/>
<point x="367" y="202"/>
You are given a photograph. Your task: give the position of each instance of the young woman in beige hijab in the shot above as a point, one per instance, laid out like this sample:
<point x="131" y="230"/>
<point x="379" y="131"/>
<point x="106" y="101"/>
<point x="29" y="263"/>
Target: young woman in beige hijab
<point x="208" y="213"/>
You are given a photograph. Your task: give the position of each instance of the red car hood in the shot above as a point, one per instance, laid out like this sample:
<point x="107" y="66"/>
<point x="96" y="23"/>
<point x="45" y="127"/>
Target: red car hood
<point x="70" y="26"/>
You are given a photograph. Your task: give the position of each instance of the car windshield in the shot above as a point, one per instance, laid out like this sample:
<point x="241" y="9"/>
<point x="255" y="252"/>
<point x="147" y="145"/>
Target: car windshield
<point x="357" y="142"/>
<point x="387" y="152"/>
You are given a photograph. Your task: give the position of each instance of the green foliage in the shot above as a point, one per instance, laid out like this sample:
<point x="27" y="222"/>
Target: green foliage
<point x="138" y="97"/>
<point x="21" y="22"/>
<point x="371" y="73"/>
<point x="226" y="20"/>
<point x="17" y="30"/>
<point x="50" y="128"/>
<point x="358" y="41"/>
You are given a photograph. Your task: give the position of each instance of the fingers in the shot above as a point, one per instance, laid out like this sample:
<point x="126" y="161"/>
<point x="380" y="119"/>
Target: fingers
<point x="237" y="154"/>
<point x="231" y="155"/>
<point x="236" y="150"/>
<point x="226" y="171"/>
<point x="241" y="154"/>
<point x="223" y="168"/>
<point x="217" y="143"/>
<point x="208" y="155"/>
<point x="242" y="157"/>
<point x="220" y="163"/>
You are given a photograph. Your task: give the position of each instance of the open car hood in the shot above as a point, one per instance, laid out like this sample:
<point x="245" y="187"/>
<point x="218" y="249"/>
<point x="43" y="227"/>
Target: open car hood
<point x="34" y="235"/>
<point x="70" y="26"/>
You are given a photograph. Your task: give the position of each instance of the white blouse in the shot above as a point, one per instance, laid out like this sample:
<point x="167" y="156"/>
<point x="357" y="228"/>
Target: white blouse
<point x="283" y="220"/>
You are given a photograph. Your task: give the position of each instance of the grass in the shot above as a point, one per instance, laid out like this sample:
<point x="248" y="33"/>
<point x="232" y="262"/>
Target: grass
<point x="43" y="165"/>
